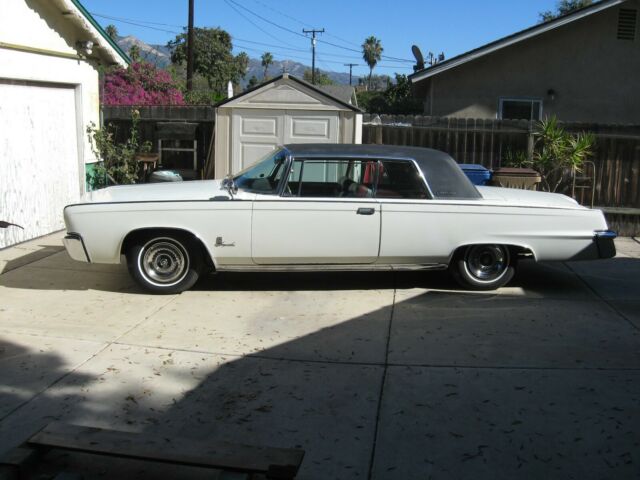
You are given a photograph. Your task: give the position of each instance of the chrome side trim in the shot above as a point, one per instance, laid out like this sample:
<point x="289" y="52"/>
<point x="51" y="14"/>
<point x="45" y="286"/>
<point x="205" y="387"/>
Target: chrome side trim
<point x="75" y="247"/>
<point x="330" y="268"/>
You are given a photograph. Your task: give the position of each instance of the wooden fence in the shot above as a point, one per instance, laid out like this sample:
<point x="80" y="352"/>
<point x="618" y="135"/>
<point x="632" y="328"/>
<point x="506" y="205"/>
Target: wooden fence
<point x="150" y="116"/>
<point x="492" y="142"/>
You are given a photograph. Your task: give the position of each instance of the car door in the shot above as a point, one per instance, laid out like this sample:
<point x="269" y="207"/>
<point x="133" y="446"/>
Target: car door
<point x="411" y="230"/>
<point x="326" y="215"/>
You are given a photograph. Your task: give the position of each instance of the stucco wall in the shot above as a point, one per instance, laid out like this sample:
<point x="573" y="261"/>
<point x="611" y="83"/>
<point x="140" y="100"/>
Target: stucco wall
<point x="594" y="75"/>
<point x="50" y="96"/>
<point x="37" y="24"/>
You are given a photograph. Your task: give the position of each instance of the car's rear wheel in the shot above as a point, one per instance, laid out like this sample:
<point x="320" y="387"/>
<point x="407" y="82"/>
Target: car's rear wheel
<point x="165" y="263"/>
<point x="483" y="267"/>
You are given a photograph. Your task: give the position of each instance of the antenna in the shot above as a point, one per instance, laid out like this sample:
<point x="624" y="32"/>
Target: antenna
<point x="419" y="58"/>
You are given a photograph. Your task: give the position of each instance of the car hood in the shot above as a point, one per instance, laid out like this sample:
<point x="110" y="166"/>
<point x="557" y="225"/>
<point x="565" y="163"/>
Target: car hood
<point x="528" y="198"/>
<point x="166" y="191"/>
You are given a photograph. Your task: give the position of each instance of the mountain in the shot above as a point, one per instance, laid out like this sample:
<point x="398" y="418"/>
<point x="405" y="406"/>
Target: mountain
<point x="160" y="55"/>
<point x="294" y="68"/>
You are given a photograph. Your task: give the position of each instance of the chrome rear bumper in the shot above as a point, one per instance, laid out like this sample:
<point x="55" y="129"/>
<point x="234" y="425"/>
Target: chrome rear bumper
<point x="75" y="247"/>
<point x="604" y="242"/>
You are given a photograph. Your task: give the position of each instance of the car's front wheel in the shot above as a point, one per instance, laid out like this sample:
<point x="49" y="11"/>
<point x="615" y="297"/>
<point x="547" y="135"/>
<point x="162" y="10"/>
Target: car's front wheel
<point x="483" y="267"/>
<point x="165" y="263"/>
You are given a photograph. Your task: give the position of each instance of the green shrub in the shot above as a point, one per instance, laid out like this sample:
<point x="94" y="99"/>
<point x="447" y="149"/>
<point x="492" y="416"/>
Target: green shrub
<point x="118" y="163"/>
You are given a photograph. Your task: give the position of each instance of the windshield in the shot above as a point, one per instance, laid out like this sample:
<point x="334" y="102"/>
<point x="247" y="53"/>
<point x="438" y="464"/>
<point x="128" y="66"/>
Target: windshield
<point x="263" y="176"/>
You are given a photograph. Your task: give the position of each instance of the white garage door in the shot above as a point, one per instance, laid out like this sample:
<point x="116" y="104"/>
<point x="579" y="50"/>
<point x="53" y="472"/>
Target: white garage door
<point x="39" y="168"/>
<point x="257" y="132"/>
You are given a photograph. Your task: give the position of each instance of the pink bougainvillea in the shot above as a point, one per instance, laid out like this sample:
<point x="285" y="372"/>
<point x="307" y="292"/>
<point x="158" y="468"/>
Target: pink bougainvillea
<point x="140" y="84"/>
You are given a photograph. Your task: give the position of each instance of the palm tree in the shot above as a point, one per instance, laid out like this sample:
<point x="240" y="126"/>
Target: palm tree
<point x="112" y="31"/>
<point x="371" y="52"/>
<point x="267" y="59"/>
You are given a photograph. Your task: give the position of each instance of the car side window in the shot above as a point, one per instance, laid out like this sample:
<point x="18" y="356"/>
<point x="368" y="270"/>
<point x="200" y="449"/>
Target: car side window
<point x="331" y="178"/>
<point x="400" y="179"/>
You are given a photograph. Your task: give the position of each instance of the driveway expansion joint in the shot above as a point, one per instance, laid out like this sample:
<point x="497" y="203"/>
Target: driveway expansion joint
<point x="382" y="382"/>
<point x="604" y="300"/>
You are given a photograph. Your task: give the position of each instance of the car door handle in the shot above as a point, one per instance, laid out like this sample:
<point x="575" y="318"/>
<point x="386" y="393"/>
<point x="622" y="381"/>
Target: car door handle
<point x="366" y="211"/>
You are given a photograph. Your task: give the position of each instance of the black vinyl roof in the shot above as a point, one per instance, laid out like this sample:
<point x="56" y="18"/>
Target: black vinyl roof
<point x="444" y="176"/>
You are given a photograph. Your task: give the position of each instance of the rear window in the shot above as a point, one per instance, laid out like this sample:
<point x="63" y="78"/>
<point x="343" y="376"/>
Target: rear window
<point x="447" y="180"/>
<point x="400" y="179"/>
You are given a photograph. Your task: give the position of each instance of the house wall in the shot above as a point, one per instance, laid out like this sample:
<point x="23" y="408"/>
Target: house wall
<point x="39" y="63"/>
<point x="595" y="75"/>
<point x="37" y="24"/>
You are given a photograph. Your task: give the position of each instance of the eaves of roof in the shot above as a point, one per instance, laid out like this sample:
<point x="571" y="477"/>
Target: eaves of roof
<point x="512" y="39"/>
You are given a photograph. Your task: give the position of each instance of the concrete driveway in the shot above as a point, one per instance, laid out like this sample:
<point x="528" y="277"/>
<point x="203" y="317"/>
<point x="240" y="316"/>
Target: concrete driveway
<point x="377" y="375"/>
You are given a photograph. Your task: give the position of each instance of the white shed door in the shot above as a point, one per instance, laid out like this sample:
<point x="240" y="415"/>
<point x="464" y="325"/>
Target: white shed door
<point x="39" y="168"/>
<point x="257" y="132"/>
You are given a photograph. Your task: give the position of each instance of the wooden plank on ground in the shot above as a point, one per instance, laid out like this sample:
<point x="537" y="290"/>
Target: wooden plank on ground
<point x="274" y="462"/>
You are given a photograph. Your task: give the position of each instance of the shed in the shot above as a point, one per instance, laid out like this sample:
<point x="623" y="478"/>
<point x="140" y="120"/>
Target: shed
<point x="283" y="110"/>
<point x="50" y="54"/>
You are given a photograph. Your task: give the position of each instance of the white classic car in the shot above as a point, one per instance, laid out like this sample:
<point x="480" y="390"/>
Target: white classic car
<point x="332" y="207"/>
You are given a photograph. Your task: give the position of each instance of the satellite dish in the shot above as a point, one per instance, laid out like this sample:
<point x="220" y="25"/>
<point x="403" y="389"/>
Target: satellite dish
<point x="419" y="58"/>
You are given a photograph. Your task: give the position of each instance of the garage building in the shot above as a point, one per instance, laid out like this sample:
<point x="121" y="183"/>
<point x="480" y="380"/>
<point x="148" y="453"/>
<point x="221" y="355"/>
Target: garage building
<point x="50" y="52"/>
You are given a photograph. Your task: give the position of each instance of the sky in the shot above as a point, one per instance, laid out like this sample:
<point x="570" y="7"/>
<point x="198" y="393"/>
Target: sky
<point x="449" y="26"/>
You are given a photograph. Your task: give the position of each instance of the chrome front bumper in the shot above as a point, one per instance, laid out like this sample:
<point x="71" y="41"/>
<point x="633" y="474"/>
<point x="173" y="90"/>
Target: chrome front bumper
<point x="75" y="247"/>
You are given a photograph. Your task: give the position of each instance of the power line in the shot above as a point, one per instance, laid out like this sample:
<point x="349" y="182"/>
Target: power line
<point x="321" y="41"/>
<point x="301" y="22"/>
<point x="135" y="23"/>
<point x="142" y="23"/>
<point x="268" y="21"/>
<point x="251" y="21"/>
<point x="125" y="20"/>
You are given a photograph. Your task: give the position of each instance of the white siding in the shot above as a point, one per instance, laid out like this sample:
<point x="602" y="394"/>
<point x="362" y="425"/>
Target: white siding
<point x="257" y="132"/>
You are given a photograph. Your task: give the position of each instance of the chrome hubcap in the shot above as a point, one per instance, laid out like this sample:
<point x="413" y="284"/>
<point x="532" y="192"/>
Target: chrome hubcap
<point x="487" y="263"/>
<point x="164" y="261"/>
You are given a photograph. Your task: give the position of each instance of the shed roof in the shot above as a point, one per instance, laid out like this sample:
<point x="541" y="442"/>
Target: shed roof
<point x="290" y="78"/>
<point x="513" y="38"/>
<point x="346" y="93"/>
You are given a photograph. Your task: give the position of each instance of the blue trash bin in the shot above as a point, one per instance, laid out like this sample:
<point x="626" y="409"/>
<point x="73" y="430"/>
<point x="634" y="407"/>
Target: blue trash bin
<point x="476" y="173"/>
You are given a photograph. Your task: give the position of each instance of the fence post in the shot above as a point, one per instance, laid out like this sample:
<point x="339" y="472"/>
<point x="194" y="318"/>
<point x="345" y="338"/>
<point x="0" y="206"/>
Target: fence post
<point x="530" y="142"/>
<point x="378" y="139"/>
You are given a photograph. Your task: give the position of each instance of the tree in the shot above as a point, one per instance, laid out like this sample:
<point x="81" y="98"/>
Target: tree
<point x="134" y="53"/>
<point x="371" y="53"/>
<point x="141" y="83"/>
<point x="321" y="78"/>
<point x="267" y="59"/>
<point x="212" y="57"/>
<point x="563" y="7"/>
<point x="396" y="99"/>
<point x="253" y="81"/>
<point x="112" y="31"/>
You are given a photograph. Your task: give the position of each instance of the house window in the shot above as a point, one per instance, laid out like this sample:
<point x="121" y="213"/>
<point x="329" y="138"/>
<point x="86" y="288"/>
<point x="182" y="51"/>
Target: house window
<point x="520" y="109"/>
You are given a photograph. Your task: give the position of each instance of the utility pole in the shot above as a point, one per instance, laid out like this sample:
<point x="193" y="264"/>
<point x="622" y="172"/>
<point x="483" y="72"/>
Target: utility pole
<point x="190" y="48"/>
<point x="350" y="65"/>
<point x="313" y="49"/>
